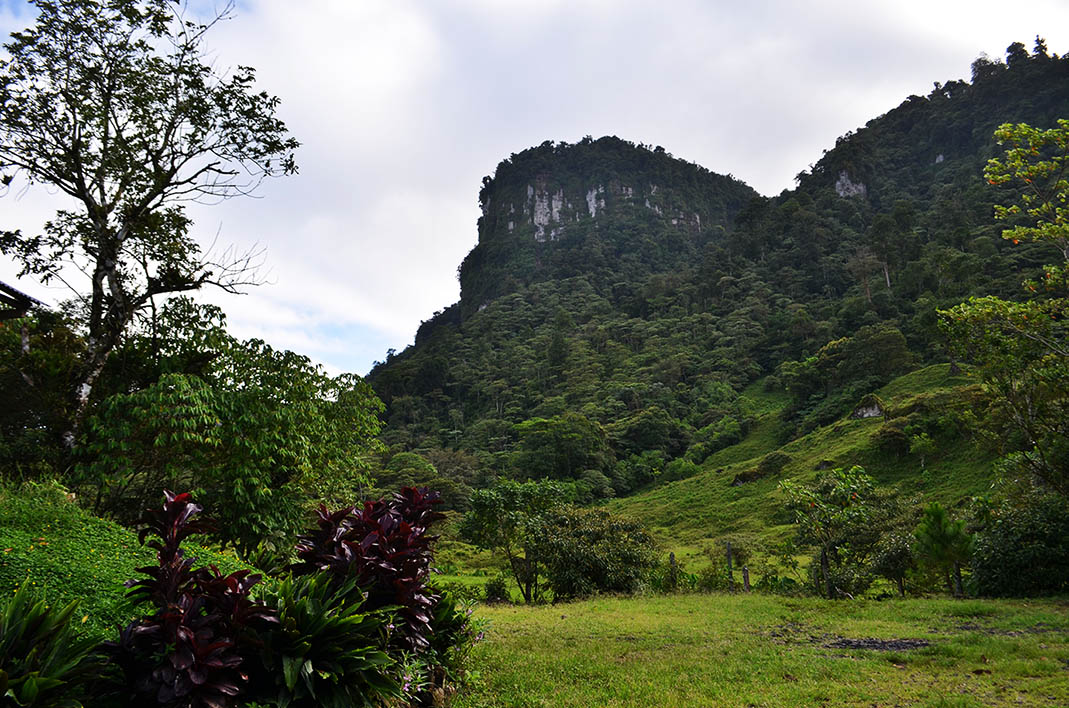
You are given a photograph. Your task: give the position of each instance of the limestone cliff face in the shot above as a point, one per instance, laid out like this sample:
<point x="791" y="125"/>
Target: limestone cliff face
<point x="560" y="210"/>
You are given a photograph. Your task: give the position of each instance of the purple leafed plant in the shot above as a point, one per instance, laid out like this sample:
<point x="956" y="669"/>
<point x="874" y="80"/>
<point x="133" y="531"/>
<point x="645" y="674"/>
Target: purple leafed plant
<point x="195" y="648"/>
<point x="386" y="547"/>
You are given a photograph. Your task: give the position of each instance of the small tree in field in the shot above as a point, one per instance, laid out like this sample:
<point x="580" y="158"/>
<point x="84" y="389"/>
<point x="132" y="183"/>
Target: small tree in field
<point x="827" y="512"/>
<point x="944" y="544"/>
<point x="111" y="103"/>
<point x="506" y="518"/>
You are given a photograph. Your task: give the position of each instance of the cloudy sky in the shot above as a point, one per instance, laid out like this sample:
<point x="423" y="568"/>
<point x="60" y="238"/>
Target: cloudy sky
<point x="402" y="107"/>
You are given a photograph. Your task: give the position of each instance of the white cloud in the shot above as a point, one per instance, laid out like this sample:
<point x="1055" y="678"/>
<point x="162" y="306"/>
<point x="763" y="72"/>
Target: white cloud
<point x="403" y="106"/>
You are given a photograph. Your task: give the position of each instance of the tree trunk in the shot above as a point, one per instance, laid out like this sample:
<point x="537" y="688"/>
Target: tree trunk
<point x="887" y="276"/>
<point x="957" y="580"/>
<point x="825" y="573"/>
<point x="901" y="587"/>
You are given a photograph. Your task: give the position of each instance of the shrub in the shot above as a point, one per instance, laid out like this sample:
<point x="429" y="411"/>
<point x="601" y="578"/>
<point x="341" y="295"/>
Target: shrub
<point x="1025" y="549"/>
<point x="587" y="551"/>
<point x="453" y="636"/>
<point x="198" y="645"/>
<point x="386" y="548"/>
<point x="43" y="661"/>
<point x="497" y="589"/>
<point x="327" y="649"/>
<point x="894" y="559"/>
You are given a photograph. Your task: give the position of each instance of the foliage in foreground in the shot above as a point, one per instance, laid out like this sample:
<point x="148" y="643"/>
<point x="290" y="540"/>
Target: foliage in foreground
<point x="196" y="647"/>
<point x="314" y="638"/>
<point x="44" y="661"/>
<point x="327" y="649"/>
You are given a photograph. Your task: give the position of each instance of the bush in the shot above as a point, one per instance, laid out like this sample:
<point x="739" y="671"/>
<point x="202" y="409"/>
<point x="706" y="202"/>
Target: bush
<point x="43" y="661"/>
<point x="497" y="590"/>
<point x="453" y="636"/>
<point x="197" y="647"/>
<point x="327" y="649"/>
<point x="386" y="548"/>
<point x="1025" y="548"/>
<point x="587" y="551"/>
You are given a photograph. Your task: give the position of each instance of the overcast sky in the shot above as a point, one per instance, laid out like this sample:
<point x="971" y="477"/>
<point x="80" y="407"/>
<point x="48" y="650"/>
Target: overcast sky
<point x="402" y="108"/>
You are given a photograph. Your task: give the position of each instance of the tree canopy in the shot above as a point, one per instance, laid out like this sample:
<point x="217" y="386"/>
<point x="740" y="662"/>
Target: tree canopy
<point x="113" y="104"/>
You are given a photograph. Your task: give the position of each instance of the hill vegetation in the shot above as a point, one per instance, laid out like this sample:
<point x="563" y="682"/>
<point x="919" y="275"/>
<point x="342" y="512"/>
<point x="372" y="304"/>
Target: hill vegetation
<point x="843" y="388"/>
<point x="620" y="301"/>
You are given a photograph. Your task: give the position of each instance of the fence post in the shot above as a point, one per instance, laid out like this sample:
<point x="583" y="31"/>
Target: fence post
<point x="731" y="575"/>
<point x="746" y="578"/>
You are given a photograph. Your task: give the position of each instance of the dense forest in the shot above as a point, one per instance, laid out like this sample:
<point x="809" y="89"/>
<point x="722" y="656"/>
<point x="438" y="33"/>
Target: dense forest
<point x="619" y="299"/>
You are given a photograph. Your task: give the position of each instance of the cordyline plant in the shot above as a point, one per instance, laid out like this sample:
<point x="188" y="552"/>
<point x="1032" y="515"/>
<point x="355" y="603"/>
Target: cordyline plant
<point x="195" y="650"/>
<point x="386" y="548"/>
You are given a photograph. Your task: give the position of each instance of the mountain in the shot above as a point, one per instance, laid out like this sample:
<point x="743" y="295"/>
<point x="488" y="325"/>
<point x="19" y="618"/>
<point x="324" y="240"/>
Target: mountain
<point x="605" y="209"/>
<point x="620" y="299"/>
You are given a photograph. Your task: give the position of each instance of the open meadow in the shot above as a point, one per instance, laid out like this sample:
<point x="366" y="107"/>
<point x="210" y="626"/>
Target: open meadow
<point x="761" y="650"/>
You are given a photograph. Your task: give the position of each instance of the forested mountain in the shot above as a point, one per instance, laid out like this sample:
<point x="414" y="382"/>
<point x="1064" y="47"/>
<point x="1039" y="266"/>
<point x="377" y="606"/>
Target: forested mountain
<point x="619" y="299"/>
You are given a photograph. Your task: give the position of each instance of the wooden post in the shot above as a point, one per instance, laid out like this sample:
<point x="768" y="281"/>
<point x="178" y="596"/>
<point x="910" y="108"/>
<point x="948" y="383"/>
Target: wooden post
<point x="746" y="578"/>
<point x="673" y="571"/>
<point x="731" y="575"/>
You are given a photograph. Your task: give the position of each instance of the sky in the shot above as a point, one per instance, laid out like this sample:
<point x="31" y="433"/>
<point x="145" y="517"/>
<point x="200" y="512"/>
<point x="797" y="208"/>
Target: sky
<point x="403" y="106"/>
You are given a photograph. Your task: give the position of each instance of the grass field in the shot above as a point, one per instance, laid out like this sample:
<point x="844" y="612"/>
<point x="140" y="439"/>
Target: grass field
<point x="692" y="513"/>
<point x="761" y="650"/>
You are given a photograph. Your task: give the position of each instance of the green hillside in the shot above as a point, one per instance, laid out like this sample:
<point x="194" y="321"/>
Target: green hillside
<point x="716" y="503"/>
<point x="629" y="318"/>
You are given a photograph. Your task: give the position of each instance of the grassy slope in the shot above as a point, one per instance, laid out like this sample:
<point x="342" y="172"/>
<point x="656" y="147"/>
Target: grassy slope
<point x="760" y="650"/>
<point x="66" y="553"/>
<point x="688" y="515"/>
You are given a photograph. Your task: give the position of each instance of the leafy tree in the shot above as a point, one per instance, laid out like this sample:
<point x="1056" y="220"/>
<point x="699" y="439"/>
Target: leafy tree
<point x="944" y="544"/>
<point x="561" y="447"/>
<point x="507" y="518"/>
<point x="894" y="559"/>
<point x="587" y="551"/>
<point x="111" y="103"/>
<point x="827" y="512"/>
<point x="262" y="432"/>
<point x="1020" y="348"/>
<point x="1024" y="548"/>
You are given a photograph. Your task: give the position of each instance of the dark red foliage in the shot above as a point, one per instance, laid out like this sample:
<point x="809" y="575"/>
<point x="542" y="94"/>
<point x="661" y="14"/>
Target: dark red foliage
<point x="193" y="650"/>
<point x="386" y="547"/>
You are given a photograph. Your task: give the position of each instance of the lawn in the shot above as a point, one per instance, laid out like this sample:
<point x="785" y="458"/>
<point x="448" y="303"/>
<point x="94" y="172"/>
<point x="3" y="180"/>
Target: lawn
<point x="761" y="650"/>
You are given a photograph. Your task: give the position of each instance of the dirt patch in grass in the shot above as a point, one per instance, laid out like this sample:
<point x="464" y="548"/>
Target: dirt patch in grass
<point x="879" y="644"/>
<point x="793" y="632"/>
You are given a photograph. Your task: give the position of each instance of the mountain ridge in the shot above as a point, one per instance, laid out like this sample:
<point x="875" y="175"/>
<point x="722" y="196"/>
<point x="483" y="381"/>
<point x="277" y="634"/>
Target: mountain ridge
<point x="636" y="335"/>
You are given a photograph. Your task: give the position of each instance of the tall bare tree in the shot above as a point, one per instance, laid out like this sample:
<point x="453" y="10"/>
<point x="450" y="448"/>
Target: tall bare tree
<point x="112" y="103"/>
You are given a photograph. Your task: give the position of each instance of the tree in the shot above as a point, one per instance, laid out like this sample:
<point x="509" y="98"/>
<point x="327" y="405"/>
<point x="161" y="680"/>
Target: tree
<point x="587" y="551"/>
<point x="1020" y="348"/>
<point x="827" y="512"/>
<point x="561" y="447"/>
<point x="944" y="544"/>
<point x="506" y="518"/>
<point x="893" y="559"/>
<point x="262" y="432"/>
<point x="111" y="103"/>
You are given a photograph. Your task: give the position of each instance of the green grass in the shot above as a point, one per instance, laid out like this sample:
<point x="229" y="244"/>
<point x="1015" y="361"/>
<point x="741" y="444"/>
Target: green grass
<point x="68" y="554"/>
<point x="760" y="650"/>
<point x="698" y="512"/>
